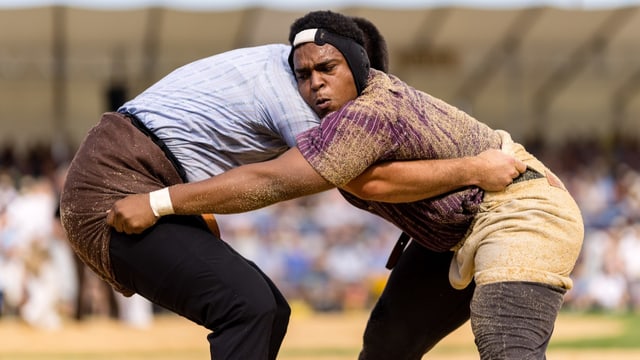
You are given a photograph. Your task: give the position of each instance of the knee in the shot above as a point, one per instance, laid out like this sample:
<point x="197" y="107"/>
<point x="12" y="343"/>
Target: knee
<point x="284" y="310"/>
<point x="521" y="327"/>
<point x="261" y="309"/>
<point x="279" y="310"/>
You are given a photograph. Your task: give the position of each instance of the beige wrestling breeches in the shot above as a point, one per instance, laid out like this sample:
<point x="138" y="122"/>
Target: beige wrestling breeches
<point x="532" y="231"/>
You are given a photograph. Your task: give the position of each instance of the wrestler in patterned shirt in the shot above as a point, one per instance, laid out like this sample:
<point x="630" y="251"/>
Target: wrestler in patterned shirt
<point x="501" y="258"/>
<point x="382" y="125"/>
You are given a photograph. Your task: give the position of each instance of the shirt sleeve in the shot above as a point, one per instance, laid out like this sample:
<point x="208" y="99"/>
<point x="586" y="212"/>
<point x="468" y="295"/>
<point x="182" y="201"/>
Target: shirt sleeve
<point x="346" y="142"/>
<point x="283" y="110"/>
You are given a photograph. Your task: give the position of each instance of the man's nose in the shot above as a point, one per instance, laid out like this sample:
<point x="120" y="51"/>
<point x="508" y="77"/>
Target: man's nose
<point x="317" y="80"/>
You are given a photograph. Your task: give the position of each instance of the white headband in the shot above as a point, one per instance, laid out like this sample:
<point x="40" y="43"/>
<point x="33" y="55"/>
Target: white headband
<point x="354" y="53"/>
<point x="305" y="36"/>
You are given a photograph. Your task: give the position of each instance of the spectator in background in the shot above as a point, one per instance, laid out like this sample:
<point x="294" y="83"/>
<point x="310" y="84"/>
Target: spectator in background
<point x="31" y="284"/>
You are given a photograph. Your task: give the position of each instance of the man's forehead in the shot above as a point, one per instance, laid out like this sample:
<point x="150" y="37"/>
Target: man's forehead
<point x="311" y="53"/>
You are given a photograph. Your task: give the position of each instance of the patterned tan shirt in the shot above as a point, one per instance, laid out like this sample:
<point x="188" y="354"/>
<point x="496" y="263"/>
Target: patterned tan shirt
<point x="393" y="121"/>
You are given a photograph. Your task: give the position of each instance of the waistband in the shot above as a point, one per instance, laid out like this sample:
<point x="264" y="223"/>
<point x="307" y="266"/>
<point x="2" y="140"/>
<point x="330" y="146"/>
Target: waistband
<point x="135" y="121"/>
<point x="209" y="219"/>
<point x="404" y="239"/>
<point x="528" y="174"/>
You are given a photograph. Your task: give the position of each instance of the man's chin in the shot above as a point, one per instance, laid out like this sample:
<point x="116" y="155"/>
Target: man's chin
<point x="321" y="112"/>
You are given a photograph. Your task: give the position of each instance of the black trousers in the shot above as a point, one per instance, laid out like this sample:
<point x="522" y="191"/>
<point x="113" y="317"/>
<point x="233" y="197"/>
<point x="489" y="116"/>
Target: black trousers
<point x="180" y="265"/>
<point x="418" y="308"/>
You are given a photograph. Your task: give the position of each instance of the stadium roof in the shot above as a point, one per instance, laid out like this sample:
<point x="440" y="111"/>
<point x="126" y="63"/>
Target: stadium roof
<point x="534" y="70"/>
<point x="316" y="4"/>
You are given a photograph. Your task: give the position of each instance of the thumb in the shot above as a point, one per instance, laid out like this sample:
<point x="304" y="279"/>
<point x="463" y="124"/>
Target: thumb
<point x="110" y="216"/>
<point x="520" y="166"/>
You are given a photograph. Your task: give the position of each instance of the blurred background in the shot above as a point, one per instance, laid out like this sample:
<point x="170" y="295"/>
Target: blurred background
<point x="562" y="76"/>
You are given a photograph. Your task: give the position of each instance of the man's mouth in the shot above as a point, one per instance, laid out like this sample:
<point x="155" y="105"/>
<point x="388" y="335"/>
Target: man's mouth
<point x="323" y="103"/>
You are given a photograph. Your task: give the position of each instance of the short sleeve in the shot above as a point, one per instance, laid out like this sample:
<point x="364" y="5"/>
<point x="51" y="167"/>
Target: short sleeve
<point x="346" y="142"/>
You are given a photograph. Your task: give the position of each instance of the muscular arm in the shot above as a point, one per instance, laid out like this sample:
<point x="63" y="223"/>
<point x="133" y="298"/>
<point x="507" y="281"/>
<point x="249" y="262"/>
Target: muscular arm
<point x="406" y="181"/>
<point x="289" y="176"/>
<point x="250" y="187"/>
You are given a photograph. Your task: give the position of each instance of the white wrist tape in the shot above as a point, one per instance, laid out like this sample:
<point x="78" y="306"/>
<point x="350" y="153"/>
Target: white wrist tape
<point x="160" y="202"/>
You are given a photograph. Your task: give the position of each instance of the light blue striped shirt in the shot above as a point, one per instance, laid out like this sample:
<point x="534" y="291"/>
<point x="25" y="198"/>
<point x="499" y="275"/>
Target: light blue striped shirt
<point x="227" y="110"/>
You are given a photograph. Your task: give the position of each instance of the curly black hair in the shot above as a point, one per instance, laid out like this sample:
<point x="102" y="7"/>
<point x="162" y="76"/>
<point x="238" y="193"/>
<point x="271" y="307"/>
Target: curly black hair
<point x="364" y="33"/>
<point x="331" y="21"/>
<point x="374" y="44"/>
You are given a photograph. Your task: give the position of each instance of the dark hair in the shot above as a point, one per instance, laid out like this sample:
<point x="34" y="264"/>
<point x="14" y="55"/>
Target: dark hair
<point x="356" y="38"/>
<point x="341" y="32"/>
<point x="374" y="44"/>
<point x="333" y="22"/>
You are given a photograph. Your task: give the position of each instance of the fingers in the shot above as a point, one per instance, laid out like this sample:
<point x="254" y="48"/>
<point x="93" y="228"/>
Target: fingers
<point x="110" y="217"/>
<point x="111" y="221"/>
<point x="117" y="223"/>
<point x="520" y="166"/>
<point x="128" y="216"/>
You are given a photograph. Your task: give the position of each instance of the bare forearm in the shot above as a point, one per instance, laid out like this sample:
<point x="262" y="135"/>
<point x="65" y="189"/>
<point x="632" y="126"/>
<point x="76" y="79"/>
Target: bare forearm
<point x="250" y="187"/>
<point x="413" y="180"/>
<point x="242" y="189"/>
<point x="406" y="181"/>
<point x="239" y="191"/>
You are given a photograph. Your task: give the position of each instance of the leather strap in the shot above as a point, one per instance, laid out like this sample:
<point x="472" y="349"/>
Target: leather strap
<point x="402" y="242"/>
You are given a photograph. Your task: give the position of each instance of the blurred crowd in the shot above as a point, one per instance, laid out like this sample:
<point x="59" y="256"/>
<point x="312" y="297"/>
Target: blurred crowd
<point x="324" y="254"/>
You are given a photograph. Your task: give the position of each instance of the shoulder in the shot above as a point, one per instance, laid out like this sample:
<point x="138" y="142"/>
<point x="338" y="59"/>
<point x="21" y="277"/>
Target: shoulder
<point x="378" y="99"/>
<point x="380" y="82"/>
<point x="249" y="59"/>
<point x="260" y="50"/>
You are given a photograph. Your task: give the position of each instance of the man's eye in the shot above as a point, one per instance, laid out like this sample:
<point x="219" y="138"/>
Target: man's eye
<point x="328" y="68"/>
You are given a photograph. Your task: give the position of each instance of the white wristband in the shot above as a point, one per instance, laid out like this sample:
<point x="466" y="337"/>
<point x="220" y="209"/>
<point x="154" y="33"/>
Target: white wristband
<point x="160" y="202"/>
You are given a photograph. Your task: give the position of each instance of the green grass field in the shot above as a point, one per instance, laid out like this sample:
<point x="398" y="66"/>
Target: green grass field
<point x="310" y="337"/>
<point x="628" y="336"/>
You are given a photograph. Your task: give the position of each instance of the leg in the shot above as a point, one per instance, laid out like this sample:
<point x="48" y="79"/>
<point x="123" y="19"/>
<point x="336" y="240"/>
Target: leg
<point x="417" y="308"/>
<point x="281" y="319"/>
<point x="514" y="320"/>
<point x="180" y="265"/>
<point x="80" y="309"/>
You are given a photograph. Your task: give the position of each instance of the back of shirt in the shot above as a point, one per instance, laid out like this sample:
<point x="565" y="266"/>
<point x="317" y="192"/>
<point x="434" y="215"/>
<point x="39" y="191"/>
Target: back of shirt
<point x="227" y="110"/>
